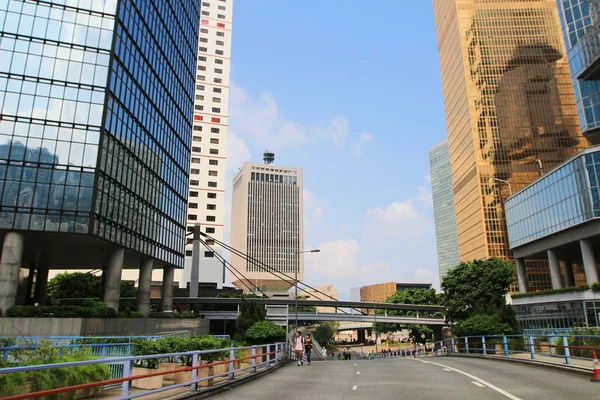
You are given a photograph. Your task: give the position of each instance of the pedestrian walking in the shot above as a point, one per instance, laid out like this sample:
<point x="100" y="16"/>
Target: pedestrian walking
<point x="299" y="347"/>
<point x="324" y="353"/>
<point x="308" y="347"/>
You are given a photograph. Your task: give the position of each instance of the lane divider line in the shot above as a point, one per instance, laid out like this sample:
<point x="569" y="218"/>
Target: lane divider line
<point x="497" y="389"/>
<point x="354" y="387"/>
<point x="357" y="372"/>
<point x="478" y="384"/>
<point x="446" y="369"/>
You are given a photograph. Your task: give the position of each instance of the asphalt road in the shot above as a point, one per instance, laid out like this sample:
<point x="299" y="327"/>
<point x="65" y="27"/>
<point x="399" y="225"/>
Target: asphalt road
<point x="439" y="378"/>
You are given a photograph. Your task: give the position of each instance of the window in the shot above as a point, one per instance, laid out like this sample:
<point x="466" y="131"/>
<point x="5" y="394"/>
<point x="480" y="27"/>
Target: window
<point x="203" y="49"/>
<point x="201" y="77"/>
<point x="212" y="184"/>
<point x="220" y="25"/>
<point x="216" y="99"/>
<point x="198" y="107"/>
<point x="213" y="162"/>
<point x="201" y="68"/>
<point x="190" y="229"/>
<point x="194" y="171"/>
<point x="221" y="33"/>
<point x="216" y="110"/>
<point x="211" y="206"/>
<point x="206" y="13"/>
<point x="205" y="4"/>
<point x="189" y="241"/>
<point x="220" y="43"/>
<point x="218" y="61"/>
<point x="218" y="80"/>
<point x="201" y="58"/>
<point x="199" y="97"/>
<point x="193" y="205"/>
<point x="215" y="130"/>
<point x="203" y="30"/>
<point x="203" y="22"/>
<point x="192" y="217"/>
<point x="219" y="52"/>
<point x="195" y="160"/>
<point x="210" y="218"/>
<point x="214" y="141"/>
<point x="215" y="120"/>
<point x="188" y="253"/>
<point x="222" y="8"/>
<point x="203" y="40"/>
<point x="220" y="16"/>
<point x="193" y="194"/>
<point x="210" y="230"/>
<point x="216" y="90"/>
<point x="209" y="242"/>
<point x="218" y="71"/>
<point x="199" y="87"/>
<point x="197" y="149"/>
<point x="197" y="139"/>
<point x="198" y="118"/>
<point x="212" y="173"/>
<point x="194" y="183"/>
<point x="210" y="195"/>
<point x="214" y="151"/>
<point x="197" y="128"/>
<point x="209" y="254"/>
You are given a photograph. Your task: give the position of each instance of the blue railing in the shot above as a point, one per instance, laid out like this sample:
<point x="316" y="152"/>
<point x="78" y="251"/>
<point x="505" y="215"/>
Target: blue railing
<point x="268" y="354"/>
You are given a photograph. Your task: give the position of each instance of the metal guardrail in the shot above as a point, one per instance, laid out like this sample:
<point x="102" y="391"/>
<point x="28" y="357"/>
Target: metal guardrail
<point x="275" y="353"/>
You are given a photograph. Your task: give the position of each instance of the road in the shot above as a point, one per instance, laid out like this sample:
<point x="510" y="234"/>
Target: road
<point x="439" y="378"/>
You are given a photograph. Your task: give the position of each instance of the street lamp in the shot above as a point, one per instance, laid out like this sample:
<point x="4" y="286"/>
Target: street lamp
<point x="505" y="182"/>
<point x="539" y="162"/>
<point x="296" y="281"/>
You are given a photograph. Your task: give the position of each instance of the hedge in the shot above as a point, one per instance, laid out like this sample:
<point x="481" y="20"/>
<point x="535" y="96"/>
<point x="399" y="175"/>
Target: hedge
<point x="571" y="289"/>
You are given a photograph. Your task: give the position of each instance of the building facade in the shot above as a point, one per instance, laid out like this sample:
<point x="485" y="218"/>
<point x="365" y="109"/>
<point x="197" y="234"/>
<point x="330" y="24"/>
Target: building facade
<point x="444" y="216"/>
<point x="379" y="293"/>
<point x="557" y="219"/>
<point x="209" y="140"/>
<point x="95" y="133"/>
<point x="580" y="21"/>
<point x="510" y="112"/>
<point x="267" y="225"/>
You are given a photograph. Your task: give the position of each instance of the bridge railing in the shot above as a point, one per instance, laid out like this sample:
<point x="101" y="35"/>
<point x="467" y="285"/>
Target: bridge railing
<point x="142" y="381"/>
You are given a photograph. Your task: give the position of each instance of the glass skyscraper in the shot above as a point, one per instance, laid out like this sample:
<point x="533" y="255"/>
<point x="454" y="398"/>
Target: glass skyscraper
<point x="446" y="236"/>
<point x="510" y="111"/>
<point x="581" y="29"/>
<point x="96" y="100"/>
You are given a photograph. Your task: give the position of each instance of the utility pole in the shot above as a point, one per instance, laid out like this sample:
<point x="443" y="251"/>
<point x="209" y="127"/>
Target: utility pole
<point x="194" y="277"/>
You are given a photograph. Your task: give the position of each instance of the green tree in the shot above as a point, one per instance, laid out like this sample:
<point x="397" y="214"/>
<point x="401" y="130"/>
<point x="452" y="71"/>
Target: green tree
<point x="477" y="287"/>
<point x="482" y="324"/>
<point x="81" y="285"/>
<point x="250" y="313"/>
<point x="264" y="332"/>
<point x="417" y="333"/>
<point x="325" y="332"/>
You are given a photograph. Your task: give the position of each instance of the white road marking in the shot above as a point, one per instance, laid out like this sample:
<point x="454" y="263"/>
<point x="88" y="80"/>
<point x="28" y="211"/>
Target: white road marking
<point x="497" y="389"/>
<point x="354" y="387"/>
<point x="355" y="365"/>
<point x="357" y="372"/>
<point x="446" y="369"/>
<point x="478" y="384"/>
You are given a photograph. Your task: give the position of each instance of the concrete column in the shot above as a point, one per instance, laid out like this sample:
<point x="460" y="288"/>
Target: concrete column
<point x="589" y="261"/>
<point x="554" y="269"/>
<point x="111" y="292"/>
<point x="10" y="265"/>
<point x="144" y="286"/>
<point x="569" y="275"/>
<point x="521" y="275"/>
<point x="166" y="301"/>
<point x="41" y="284"/>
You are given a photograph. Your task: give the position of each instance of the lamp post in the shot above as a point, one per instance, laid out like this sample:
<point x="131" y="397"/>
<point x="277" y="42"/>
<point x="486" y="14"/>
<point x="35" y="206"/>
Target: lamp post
<point x="296" y="282"/>
<point x="539" y="162"/>
<point x="507" y="183"/>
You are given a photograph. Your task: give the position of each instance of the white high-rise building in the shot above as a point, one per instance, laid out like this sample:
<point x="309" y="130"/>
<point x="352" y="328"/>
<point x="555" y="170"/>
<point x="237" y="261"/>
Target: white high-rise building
<point x="209" y="142"/>
<point x="266" y="224"/>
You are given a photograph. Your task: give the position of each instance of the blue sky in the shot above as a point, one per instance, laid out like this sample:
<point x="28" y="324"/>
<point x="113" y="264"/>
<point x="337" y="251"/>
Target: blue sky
<point x="352" y="94"/>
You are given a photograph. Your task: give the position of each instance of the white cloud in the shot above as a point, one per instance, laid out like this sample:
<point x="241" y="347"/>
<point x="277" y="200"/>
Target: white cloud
<point x="237" y="152"/>
<point x="337" y="131"/>
<point x="313" y="213"/>
<point x="428" y="178"/>
<point x="358" y="147"/>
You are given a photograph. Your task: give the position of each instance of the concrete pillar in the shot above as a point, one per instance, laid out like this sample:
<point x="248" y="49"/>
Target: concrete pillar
<point x="589" y="261"/>
<point x="10" y="265"/>
<point x="569" y="275"/>
<point x="111" y="292"/>
<point x="166" y="302"/>
<point x="554" y="269"/>
<point x="144" y="286"/>
<point x="521" y="275"/>
<point x="41" y="284"/>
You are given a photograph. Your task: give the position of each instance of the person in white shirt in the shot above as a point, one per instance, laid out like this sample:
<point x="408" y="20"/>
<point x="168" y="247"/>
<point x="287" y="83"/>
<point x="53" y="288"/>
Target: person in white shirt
<point x="299" y="347"/>
<point x="324" y="353"/>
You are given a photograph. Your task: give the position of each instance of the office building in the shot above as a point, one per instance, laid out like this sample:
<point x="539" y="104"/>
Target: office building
<point x="95" y="132"/>
<point x="266" y="224"/>
<point x="557" y="219"/>
<point x="444" y="215"/>
<point x="379" y="293"/>
<point x="510" y="112"/>
<point x="209" y="140"/>
<point x="581" y="27"/>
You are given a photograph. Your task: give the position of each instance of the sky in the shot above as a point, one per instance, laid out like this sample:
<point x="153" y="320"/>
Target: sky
<point x="352" y="94"/>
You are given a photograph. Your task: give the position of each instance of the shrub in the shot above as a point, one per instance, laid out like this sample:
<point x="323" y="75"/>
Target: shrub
<point x="88" y="309"/>
<point x="265" y="332"/>
<point x="596" y="286"/>
<point x="571" y="289"/>
<point x="482" y="325"/>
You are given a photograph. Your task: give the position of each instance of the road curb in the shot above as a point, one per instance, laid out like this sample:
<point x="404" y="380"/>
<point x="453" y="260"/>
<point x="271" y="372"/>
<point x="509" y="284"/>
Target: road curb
<point x="228" y="385"/>
<point x="534" y="363"/>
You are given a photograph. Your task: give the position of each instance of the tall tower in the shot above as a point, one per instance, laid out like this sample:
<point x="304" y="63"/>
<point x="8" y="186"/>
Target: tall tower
<point x="443" y="208"/>
<point x="266" y="223"/>
<point x="510" y="109"/>
<point x="209" y="141"/>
